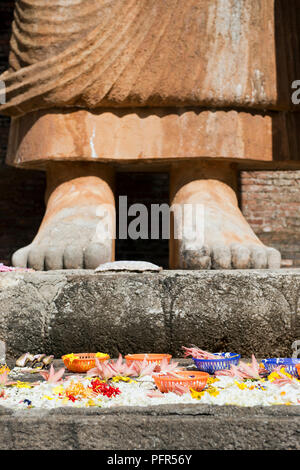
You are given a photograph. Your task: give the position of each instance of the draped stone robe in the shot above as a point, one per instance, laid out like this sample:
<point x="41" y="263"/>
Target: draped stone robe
<point x="120" y="80"/>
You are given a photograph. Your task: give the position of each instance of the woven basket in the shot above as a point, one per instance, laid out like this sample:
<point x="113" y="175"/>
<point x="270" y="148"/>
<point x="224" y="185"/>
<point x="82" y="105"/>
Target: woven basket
<point x="211" y="365"/>
<point x="194" y="380"/>
<point x="150" y="358"/>
<point x="85" y="362"/>
<point x="290" y="364"/>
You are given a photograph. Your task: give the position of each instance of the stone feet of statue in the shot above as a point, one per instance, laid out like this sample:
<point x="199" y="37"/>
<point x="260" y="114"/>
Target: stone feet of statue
<point x="78" y="226"/>
<point x="224" y="239"/>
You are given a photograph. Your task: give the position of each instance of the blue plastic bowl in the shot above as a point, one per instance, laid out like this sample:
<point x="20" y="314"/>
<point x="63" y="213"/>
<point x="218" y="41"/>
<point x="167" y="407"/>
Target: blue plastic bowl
<point x="211" y="365"/>
<point x="288" y="363"/>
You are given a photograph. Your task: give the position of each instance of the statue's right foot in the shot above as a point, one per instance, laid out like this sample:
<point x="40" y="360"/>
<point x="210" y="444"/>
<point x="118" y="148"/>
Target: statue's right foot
<point x="78" y="226"/>
<point x="224" y="239"/>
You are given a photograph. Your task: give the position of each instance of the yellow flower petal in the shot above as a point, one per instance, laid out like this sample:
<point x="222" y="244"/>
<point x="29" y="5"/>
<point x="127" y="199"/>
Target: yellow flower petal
<point x="100" y="355"/>
<point x="59" y="389"/>
<point x="213" y="391"/>
<point x="4" y="368"/>
<point x="119" y="378"/>
<point x="71" y="357"/>
<point x="212" y="380"/>
<point x="241" y="386"/>
<point x="196" y="394"/>
<point x="91" y="403"/>
<point x="20" y="384"/>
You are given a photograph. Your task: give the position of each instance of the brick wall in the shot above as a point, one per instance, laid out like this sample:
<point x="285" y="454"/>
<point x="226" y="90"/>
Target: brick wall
<point x="271" y="203"/>
<point x="270" y="199"/>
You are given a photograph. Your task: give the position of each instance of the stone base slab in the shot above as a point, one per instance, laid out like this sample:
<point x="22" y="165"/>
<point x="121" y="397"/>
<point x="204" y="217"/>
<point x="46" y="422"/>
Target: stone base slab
<point x="58" y="312"/>
<point x="163" y="427"/>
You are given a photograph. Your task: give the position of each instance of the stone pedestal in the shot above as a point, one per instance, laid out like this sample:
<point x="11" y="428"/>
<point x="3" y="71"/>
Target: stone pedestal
<point x="58" y="312"/>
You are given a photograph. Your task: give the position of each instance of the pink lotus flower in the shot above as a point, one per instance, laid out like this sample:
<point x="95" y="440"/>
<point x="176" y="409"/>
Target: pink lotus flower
<point x="4" y="269"/>
<point x="165" y="367"/>
<point x="4" y="379"/>
<point x="143" y="368"/>
<point x="52" y="377"/>
<point x="181" y="389"/>
<point x="281" y="382"/>
<point x="108" y="370"/>
<point x="102" y="370"/>
<point x="198" y="353"/>
<point x="249" y="371"/>
<point x="155" y="394"/>
<point x="242" y="371"/>
<point x="232" y="372"/>
<point x="284" y="379"/>
<point x="121" y="368"/>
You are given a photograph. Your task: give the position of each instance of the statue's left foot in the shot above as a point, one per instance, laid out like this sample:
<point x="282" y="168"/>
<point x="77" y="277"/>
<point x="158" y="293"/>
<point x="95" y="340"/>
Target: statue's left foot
<point x="224" y="239"/>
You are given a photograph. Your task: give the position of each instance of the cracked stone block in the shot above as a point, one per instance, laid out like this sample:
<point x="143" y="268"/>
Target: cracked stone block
<point x="56" y="312"/>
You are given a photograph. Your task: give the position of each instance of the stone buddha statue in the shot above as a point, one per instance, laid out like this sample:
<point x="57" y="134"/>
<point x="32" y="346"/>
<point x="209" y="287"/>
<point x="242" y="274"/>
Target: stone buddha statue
<point x="198" y="88"/>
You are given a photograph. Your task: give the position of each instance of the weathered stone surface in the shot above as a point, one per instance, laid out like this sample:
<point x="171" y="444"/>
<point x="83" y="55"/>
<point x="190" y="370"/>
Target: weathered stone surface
<point x="154" y="134"/>
<point x="203" y="63"/>
<point x="164" y="53"/>
<point x="79" y="311"/>
<point x="69" y="78"/>
<point x="80" y="204"/>
<point x="223" y="238"/>
<point x="145" y="134"/>
<point x="165" y="427"/>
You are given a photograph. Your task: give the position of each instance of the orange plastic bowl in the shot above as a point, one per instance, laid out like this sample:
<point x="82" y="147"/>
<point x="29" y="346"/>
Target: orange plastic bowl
<point x="83" y="362"/>
<point x="195" y="380"/>
<point x="157" y="358"/>
<point x="298" y="369"/>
